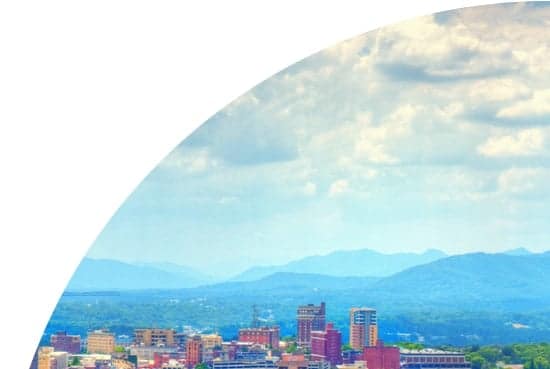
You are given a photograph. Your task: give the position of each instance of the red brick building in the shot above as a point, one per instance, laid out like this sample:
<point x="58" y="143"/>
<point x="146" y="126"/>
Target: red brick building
<point x="382" y="357"/>
<point x="309" y="318"/>
<point x="61" y="341"/>
<point x="327" y="345"/>
<point x="268" y="336"/>
<point x="193" y="351"/>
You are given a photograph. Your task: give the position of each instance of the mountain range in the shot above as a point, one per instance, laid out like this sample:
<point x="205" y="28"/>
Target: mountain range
<point x="347" y="263"/>
<point x="106" y="274"/>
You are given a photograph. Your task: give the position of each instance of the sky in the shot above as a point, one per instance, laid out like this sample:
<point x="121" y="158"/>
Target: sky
<point x="430" y="133"/>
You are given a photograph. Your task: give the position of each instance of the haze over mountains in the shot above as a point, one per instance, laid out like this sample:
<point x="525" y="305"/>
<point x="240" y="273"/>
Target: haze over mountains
<point x="105" y="274"/>
<point x="354" y="268"/>
<point x="469" y="298"/>
<point x="363" y="262"/>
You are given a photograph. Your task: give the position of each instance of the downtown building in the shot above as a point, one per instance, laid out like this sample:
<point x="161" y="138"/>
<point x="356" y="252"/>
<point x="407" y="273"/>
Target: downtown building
<point x="309" y="318"/>
<point x="382" y="357"/>
<point x="48" y="358"/>
<point x="243" y="364"/>
<point x="100" y="342"/>
<point x="327" y="345"/>
<point x="433" y="359"/>
<point x="363" y="328"/>
<point x="266" y="336"/>
<point x="155" y="337"/>
<point x="61" y="341"/>
<point x="193" y="351"/>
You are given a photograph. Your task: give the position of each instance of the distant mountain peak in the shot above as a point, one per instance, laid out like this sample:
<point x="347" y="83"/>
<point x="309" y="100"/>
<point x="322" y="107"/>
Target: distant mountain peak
<point x="348" y="263"/>
<point x="520" y="251"/>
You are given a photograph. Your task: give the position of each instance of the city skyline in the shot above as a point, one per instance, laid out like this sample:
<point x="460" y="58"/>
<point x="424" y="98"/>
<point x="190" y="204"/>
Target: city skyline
<point x="430" y="133"/>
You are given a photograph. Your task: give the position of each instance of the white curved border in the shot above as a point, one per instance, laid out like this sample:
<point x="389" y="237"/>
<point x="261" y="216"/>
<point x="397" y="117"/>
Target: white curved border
<point x="95" y="94"/>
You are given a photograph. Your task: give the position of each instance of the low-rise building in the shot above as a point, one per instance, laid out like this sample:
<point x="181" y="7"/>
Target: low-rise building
<point x="267" y="336"/>
<point x="61" y="341"/>
<point x="100" y="342"/>
<point x="382" y="357"/>
<point x="433" y="359"/>
<point x="243" y="364"/>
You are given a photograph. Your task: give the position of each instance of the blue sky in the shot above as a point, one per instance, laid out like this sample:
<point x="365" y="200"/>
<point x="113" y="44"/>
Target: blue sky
<point x="431" y="133"/>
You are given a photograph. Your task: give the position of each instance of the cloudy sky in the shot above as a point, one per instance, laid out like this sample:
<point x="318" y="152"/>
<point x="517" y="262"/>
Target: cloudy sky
<point x="431" y="133"/>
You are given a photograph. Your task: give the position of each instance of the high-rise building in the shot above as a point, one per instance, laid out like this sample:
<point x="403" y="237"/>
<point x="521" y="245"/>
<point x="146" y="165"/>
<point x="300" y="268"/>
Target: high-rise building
<point x="100" y="342"/>
<point x="61" y="341"/>
<point x="327" y="345"/>
<point x="155" y="337"/>
<point x="309" y="318"/>
<point x="193" y="351"/>
<point x="267" y="336"/>
<point x="382" y="357"/>
<point x="363" y="328"/>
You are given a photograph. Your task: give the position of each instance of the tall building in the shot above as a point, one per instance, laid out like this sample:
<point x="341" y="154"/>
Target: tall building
<point x="101" y="342"/>
<point x="382" y="357"/>
<point x="61" y="341"/>
<point x="155" y="337"/>
<point x="327" y="345"/>
<point x="363" y="328"/>
<point x="193" y="351"/>
<point x="267" y="336"/>
<point x="309" y="318"/>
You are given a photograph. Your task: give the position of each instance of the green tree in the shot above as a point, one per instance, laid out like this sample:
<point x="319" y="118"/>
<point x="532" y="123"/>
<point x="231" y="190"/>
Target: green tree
<point x="291" y="348"/>
<point x="75" y="361"/>
<point x="347" y="347"/>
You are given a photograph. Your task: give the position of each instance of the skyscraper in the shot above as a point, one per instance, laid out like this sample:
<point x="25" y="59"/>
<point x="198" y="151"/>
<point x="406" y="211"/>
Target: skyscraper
<point x="193" y="348"/>
<point x="363" y="328"/>
<point x="309" y="318"/>
<point x="327" y="345"/>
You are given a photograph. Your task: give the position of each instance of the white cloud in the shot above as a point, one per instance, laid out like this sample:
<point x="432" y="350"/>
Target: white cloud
<point x="502" y="89"/>
<point x="519" y="180"/>
<point x="310" y="189"/>
<point x="523" y="143"/>
<point x="537" y="105"/>
<point x="189" y="161"/>
<point x="338" y="187"/>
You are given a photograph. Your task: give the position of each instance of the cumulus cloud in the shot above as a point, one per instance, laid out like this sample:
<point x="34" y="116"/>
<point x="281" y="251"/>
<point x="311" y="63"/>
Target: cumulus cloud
<point x="537" y="105"/>
<point x="420" y="117"/>
<point x="499" y="89"/>
<point x="522" y="143"/>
